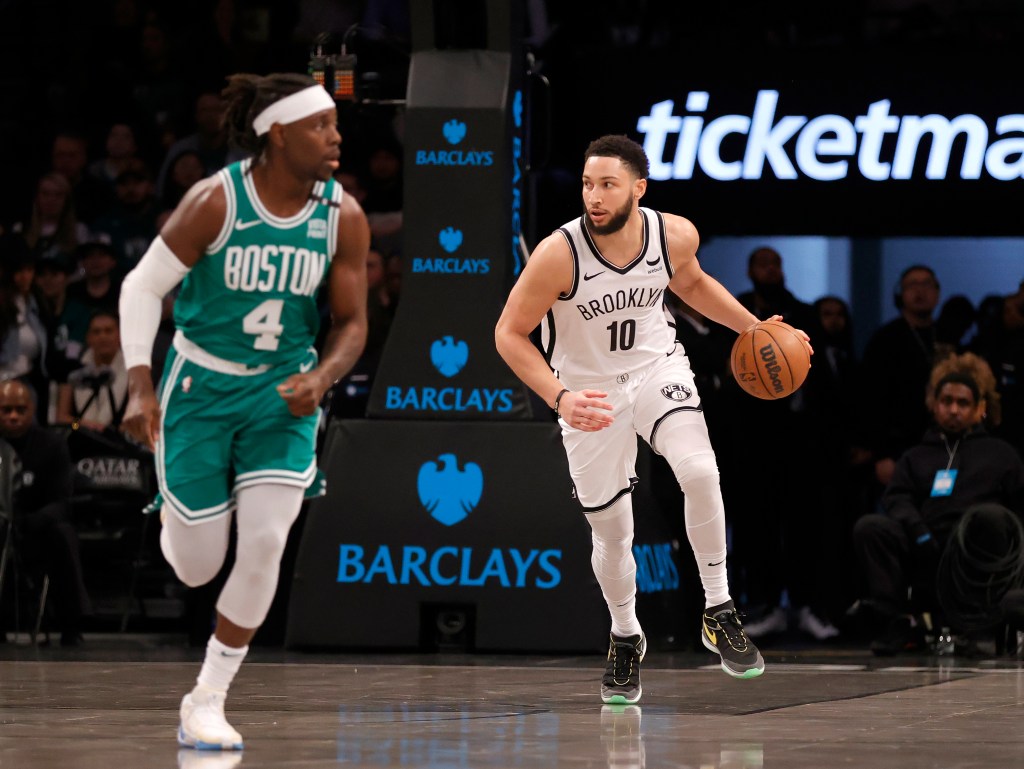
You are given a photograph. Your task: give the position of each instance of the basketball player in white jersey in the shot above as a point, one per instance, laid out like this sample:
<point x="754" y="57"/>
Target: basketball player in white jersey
<point x="613" y="370"/>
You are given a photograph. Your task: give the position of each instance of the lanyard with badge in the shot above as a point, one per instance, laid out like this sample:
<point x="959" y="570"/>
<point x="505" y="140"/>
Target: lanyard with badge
<point x="942" y="486"/>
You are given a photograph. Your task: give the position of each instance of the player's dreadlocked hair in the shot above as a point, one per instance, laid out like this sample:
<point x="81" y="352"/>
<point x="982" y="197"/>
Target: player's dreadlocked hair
<point x="625" y="149"/>
<point x="248" y="95"/>
<point x="977" y="371"/>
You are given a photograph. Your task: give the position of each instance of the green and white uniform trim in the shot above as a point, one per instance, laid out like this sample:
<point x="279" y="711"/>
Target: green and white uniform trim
<point x="247" y="317"/>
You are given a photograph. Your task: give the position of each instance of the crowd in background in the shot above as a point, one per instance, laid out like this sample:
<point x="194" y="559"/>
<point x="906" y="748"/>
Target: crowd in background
<point x="111" y="172"/>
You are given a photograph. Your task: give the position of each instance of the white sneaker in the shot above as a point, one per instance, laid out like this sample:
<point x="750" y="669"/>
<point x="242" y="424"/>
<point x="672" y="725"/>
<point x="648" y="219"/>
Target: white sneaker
<point x="203" y="725"/>
<point x="810" y="623"/>
<point x="207" y="759"/>
<point x="774" y="621"/>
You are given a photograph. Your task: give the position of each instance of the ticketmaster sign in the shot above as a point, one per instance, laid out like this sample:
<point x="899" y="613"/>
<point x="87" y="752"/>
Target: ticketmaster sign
<point x="877" y="145"/>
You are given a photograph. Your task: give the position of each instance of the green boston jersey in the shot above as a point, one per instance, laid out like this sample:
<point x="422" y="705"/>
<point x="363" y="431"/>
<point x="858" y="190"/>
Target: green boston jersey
<point x="251" y="298"/>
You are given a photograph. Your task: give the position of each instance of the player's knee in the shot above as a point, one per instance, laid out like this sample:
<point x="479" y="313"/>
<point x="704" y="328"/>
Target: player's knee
<point x="196" y="573"/>
<point x="612" y="548"/>
<point x="262" y="548"/>
<point x="694" y="469"/>
<point x="194" y="566"/>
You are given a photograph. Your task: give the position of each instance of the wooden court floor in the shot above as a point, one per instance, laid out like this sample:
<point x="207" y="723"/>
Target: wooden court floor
<point x="113" y="705"/>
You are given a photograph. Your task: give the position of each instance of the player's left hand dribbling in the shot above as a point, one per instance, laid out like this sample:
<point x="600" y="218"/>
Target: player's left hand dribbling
<point x="302" y="393"/>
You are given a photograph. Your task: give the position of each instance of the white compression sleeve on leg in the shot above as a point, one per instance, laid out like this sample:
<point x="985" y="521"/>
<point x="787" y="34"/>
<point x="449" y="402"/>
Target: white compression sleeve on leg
<point x="141" y="303"/>
<point x="265" y="515"/>
<point x="614" y="565"/>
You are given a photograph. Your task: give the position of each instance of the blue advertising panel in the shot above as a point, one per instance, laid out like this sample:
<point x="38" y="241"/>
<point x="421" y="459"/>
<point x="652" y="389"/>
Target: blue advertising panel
<point x="464" y="168"/>
<point x="432" y="518"/>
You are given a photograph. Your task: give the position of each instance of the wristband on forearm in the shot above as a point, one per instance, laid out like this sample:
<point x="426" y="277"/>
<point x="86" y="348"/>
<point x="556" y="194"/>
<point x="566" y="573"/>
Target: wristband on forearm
<point x="558" y="400"/>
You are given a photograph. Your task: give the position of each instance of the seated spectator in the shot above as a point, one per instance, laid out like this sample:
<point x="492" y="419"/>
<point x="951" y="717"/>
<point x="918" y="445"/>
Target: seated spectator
<point x="120" y="149"/>
<point x="66" y="321"/>
<point x="100" y="286"/>
<point x="130" y="225"/>
<point x="957" y="488"/>
<point x="69" y="157"/>
<point x="185" y="171"/>
<point x="48" y="540"/>
<point x="23" y="337"/>
<point x="95" y="395"/>
<point x="52" y="225"/>
<point x="207" y="146"/>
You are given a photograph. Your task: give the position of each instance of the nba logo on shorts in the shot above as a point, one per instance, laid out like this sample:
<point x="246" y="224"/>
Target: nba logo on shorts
<point x="676" y="392"/>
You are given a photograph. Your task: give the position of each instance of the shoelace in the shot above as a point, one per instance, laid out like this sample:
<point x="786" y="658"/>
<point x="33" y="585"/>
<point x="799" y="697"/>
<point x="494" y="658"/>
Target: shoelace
<point x="730" y="624"/>
<point x="622" y="664"/>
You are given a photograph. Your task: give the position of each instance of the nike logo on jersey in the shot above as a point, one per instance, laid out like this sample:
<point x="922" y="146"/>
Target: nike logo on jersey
<point x="652" y="262"/>
<point x="717" y="564"/>
<point x="306" y="367"/>
<point x="588" y="277"/>
<point x="240" y="225"/>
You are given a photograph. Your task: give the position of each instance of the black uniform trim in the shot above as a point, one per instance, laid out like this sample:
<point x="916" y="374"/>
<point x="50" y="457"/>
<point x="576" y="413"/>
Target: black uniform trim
<point x="629" y="490"/>
<point x="665" y="416"/>
<point x="597" y="252"/>
<point x="575" y="265"/>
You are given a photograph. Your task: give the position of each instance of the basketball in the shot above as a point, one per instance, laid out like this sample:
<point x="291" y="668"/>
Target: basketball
<point x="770" y="360"/>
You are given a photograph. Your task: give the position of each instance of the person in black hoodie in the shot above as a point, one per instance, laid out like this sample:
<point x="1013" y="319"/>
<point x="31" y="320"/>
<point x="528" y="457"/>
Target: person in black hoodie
<point x="958" y="474"/>
<point x="42" y="501"/>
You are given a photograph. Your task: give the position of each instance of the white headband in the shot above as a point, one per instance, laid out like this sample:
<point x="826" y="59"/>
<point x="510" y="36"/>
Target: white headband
<point x="294" y="107"/>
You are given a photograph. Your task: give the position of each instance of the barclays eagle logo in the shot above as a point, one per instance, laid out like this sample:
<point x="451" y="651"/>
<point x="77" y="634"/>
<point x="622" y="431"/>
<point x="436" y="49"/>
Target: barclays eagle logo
<point x="449" y="356"/>
<point x="447" y="493"/>
<point x="454" y="131"/>
<point x="450" y="239"/>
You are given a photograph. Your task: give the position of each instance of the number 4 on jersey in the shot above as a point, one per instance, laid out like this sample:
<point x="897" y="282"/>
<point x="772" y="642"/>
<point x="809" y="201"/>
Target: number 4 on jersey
<point x="265" y="323"/>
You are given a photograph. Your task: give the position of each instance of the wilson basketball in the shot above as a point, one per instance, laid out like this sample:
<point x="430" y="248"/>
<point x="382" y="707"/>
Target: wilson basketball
<point x="770" y="360"/>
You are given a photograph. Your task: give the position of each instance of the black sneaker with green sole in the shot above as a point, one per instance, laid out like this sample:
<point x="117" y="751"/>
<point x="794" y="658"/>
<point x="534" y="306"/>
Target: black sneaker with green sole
<point x="723" y="633"/>
<point x="621" y="682"/>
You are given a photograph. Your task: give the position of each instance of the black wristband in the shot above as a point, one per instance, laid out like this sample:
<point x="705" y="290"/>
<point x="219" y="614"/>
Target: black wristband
<point x="558" y="399"/>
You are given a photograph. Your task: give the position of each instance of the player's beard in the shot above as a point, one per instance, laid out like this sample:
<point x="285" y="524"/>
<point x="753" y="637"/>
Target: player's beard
<point x="616" y="221"/>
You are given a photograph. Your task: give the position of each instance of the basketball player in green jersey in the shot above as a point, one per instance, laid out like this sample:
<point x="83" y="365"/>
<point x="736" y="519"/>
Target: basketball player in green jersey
<point x="234" y="424"/>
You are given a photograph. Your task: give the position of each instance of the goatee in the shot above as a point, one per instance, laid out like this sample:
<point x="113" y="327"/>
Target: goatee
<point x="616" y="221"/>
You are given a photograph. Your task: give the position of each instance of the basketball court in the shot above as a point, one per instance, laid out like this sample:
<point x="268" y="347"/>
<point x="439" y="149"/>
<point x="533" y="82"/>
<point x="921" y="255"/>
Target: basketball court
<point x="113" y="703"/>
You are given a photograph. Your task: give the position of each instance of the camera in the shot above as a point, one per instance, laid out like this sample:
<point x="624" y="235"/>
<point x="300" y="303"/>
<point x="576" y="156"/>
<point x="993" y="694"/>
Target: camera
<point x="92" y="377"/>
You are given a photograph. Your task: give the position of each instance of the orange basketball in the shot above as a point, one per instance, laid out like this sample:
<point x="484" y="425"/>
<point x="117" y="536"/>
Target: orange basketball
<point x="770" y="360"/>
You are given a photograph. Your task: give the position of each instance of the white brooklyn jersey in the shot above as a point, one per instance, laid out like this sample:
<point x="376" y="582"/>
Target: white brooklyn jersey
<point x="613" y="320"/>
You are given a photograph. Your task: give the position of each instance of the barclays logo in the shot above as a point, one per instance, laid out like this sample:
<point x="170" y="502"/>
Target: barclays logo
<point x="517" y="109"/>
<point x="450" y="239"/>
<point x="456" y="399"/>
<point x="452" y="266"/>
<point x="450" y="495"/>
<point x="449" y="356"/>
<point x="447" y="493"/>
<point x="454" y="131"/>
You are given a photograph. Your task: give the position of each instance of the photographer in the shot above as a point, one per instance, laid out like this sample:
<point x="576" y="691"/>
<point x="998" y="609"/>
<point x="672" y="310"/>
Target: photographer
<point x="96" y="394"/>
